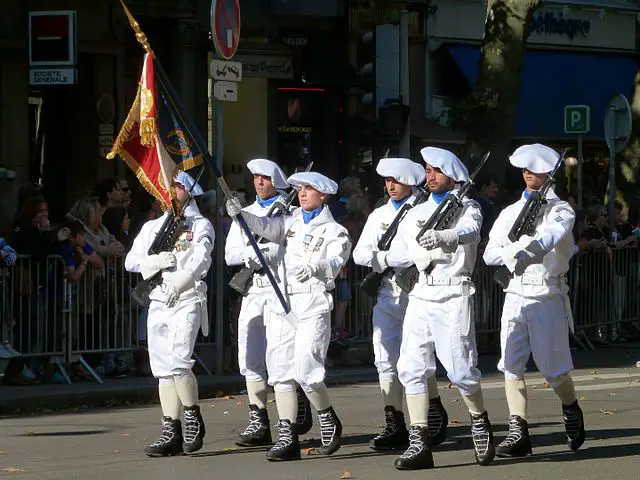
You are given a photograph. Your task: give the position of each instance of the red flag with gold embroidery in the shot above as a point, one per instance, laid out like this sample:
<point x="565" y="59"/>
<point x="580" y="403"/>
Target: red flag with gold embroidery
<point x="152" y="141"/>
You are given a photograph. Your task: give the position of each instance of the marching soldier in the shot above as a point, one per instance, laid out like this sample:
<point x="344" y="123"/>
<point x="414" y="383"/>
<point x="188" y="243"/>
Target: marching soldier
<point x="268" y="178"/>
<point x="177" y="310"/>
<point x="536" y="317"/>
<point x="401" y="176"/>
<point x="439" y="314"/>
<point x="313" y="249"/>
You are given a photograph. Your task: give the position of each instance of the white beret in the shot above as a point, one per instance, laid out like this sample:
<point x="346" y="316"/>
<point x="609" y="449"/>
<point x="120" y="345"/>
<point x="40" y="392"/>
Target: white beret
<point x="262" y="166"/>
<point x="536" y="158"/>
<point x="404" y="170"/>
<point x="187" y="181"/>
<point x="446" y="161"/>
<point x="314" y="179"/>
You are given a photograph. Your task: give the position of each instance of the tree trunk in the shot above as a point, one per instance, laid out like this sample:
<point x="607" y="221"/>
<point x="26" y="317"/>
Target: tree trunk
<point x="491" y="108"/>
<point x="628" y="162"/>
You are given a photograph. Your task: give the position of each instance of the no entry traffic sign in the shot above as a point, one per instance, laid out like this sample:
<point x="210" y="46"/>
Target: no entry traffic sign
<point x="225" y="27"/>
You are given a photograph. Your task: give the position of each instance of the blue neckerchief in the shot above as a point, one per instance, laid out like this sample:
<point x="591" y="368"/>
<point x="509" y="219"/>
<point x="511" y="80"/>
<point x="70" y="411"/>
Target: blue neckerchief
<point x="439" y="197"/>
<point x="343" y="200"/>
<point x="526" y="194"/>
<point x="266" y="203"/>
<point x="308" y="216"/>
<point x="398" y="203"/>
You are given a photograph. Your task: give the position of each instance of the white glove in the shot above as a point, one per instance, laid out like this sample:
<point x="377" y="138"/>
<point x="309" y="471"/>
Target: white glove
<point x="379" y="261"/>
<point x="152" y="264"/>
<point x="172" y="287"/>
<point x="250" y="259"/>
<point x="303" y="272"/>
<point x="445" y="239"/>
<point x="233" y="207"/>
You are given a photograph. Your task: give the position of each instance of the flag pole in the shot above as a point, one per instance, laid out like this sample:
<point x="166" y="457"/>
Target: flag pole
<point x="202" y="146"/>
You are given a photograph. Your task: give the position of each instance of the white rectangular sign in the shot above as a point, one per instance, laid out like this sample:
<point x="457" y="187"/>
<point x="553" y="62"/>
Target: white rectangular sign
<point x="225" y="70"/>
<point x="52" y="76"/>
<point x="225" y="91"/>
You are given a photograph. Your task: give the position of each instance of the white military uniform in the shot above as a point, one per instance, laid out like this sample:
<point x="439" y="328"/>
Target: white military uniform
<point x="536" y="317"/>
<point x="391" y="303"/>
<point x="252" y="342"/>
<point x="177" y="311"/>
<point x="314" y="247"/>
<point x="439" y="314"/>
<point x="172" y="331"/>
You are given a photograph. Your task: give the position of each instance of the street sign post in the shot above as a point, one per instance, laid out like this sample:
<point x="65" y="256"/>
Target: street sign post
<point x="577" y="121"/>
<point x="225" y="70"/>
<point x="225" y="27"/>
<point x="225" y="33"/>
<point x="617" y="130"/>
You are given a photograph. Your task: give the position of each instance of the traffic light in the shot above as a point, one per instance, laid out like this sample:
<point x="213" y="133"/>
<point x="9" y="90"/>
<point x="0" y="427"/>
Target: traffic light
<point x="379" y="66"/>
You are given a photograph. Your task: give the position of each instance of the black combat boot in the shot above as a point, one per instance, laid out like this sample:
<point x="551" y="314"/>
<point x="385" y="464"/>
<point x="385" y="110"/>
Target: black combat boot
<point x="573" y="425"/>
<point x="482" y="435"/>
<point x="193" y="429"/>
<point x="418" y="456"/>
<point x="517" y="443"/>
<point x="170" y="441"/>
<point x="438" y="420"/>
<point x="287" y="447"/>
<point x="395" y="435"/>
<point x="258" y="432"/>
<point x="330" y="431"/>
<point x="304" y="420"/>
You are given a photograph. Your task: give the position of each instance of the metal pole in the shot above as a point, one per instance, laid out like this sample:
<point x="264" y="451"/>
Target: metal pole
<point x="219" y="276"/>
<point x="611" y="210"/>
<point x="580" y="161"/>
<point x="405" y="141"/>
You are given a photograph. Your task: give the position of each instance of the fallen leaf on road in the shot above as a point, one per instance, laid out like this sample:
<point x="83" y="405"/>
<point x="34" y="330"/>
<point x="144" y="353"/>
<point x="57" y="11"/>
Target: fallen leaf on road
<point x="116" y="451"/>
<point x="271" y="401"/>
<point x="125" y="434"/>
<point x="346" y="475"/>
<point x="307" y="451"/>
<point x="583" y="399"/>
<point x="11" y="470"/>
<point x="607" y="412"/>
<point x="546" y="385"/>
<point x="450" y="385"/>
<point x="1" y="453"/>
<point x="455" y="400"/>
<point x="212" y="405"/>
<point x="225" y="413"/>
<point x="454" y="421"/>
<point x="593" y="372"/>
<point x="612" y="394"/>
<point x="238" y="404"/>
<point x="229" y="449"/>
<point x="228" y="397"/>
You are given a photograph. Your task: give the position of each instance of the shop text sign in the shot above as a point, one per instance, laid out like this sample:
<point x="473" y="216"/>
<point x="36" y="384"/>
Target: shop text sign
<point x="552" y="23"/>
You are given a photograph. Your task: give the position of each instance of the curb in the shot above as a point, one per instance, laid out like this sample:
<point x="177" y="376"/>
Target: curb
<point x="134" y="391"/>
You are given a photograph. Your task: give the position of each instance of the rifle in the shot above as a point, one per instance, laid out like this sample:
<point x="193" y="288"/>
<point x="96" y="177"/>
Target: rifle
<point x="371" y="283"/>
<point x="240" y="281"/>
<point x="443" y="217"/>
<point x="527" y="220"/>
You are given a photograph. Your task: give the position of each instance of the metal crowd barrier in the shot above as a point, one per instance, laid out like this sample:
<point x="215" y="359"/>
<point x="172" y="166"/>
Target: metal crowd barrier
<point x="43" y="315"/>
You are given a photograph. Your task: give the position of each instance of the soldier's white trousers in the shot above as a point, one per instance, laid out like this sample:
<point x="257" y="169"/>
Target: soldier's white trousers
<point x="446" y="327"/>
<point x="252" y="336"/>
<point x="387" y="319"/>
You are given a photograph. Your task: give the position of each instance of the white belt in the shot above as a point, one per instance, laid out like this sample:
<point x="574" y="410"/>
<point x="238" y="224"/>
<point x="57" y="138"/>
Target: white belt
<point x="444" y="281"/>
<point x="540" y="280"/>
<point x="315" y="288"/>
<point x="260" y="282"/>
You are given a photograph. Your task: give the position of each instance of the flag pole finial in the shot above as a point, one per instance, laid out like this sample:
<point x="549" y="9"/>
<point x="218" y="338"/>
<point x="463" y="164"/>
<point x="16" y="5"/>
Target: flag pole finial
<point x="140" y="35"/>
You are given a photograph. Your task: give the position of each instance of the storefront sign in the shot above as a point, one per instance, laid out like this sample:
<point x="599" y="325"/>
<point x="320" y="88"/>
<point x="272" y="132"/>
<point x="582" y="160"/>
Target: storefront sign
<point x="266" y="66"/>
<point x="551" y="23"/>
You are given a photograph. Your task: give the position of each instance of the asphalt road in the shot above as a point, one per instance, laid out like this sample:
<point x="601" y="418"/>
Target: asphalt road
<point x="108" y="443"/>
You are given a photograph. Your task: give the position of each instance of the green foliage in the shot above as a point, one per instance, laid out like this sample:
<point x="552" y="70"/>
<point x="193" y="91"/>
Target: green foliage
<point x="479" y="103"/>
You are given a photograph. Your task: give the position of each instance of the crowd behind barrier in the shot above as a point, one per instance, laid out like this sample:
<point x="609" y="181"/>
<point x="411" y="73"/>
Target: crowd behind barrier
<point x="83" y="327"/>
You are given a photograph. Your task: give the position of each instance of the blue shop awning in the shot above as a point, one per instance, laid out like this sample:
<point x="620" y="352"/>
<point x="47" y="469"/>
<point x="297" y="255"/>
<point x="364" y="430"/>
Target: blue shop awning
<point x="551" y="80"/>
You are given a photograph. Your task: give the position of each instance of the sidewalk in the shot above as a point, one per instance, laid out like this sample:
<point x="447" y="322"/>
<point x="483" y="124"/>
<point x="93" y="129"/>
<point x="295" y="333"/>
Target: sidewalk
<point x="136" y="390"/>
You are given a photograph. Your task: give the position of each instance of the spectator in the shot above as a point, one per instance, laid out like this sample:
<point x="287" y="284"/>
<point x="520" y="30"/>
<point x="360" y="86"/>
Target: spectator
<point x="489" y="190"/>
<point x="8" y="257"/>
<point x="349" y="187"/>
<point x="116" y="221"/>
<point x="77" y="253"/>
<point x="109" y="192"/>
<point x="125" y="193"/>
